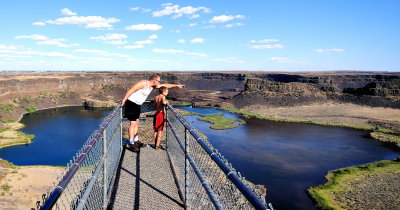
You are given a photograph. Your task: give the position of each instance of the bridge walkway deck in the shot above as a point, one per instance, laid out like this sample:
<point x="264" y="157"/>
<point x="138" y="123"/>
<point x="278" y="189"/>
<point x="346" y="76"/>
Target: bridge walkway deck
<point x="145" y="181"/>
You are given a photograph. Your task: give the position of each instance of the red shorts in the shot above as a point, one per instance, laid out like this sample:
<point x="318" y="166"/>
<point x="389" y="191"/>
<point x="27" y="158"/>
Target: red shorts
<point x="158" y="121"/>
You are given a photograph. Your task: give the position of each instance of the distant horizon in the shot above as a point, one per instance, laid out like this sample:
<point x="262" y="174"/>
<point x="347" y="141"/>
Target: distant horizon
<point x="258" y="35"/>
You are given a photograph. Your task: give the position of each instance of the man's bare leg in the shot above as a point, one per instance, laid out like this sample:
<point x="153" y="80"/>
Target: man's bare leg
<point x="133" y="129"/>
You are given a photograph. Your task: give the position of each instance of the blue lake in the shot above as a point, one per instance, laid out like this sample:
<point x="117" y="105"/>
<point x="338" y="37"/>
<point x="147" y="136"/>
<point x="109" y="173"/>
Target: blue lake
<point x="287" y="158"/>
<point x="59" y="132"/>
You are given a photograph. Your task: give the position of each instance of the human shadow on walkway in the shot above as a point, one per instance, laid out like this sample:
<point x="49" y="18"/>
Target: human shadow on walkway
<point x="138" y="181"/>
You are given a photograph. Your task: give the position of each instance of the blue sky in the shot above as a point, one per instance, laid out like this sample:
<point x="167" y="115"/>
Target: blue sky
<point x="267" y="35"/>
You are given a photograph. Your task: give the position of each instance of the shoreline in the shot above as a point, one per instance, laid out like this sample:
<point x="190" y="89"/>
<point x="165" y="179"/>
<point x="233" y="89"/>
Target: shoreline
<point x="16" y="130"/>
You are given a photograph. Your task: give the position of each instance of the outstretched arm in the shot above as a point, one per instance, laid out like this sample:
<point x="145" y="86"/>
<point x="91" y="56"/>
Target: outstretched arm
<point x="133" y="89"/>
<point x="170" y="86"/>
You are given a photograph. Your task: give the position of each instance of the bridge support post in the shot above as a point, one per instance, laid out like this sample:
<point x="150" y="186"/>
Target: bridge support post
<point x="105" y="200"/>
<point x="187" y="164"/>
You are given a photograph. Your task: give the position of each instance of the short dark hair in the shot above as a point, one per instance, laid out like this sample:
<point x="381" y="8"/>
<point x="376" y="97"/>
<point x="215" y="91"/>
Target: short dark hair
<point x="154" y="77"/>
<point x="162" y="89"/>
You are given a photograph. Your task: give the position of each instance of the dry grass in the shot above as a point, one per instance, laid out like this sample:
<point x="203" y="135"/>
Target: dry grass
<point x="335" y="113"/>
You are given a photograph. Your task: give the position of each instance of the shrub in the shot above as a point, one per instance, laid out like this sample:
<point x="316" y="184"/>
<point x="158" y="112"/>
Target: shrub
<point x="5" y="187"/>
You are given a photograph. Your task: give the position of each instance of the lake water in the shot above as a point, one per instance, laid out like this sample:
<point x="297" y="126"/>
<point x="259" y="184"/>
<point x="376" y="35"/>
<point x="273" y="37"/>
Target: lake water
<point x="287" y="158"/>
<point x="59" y="132"/>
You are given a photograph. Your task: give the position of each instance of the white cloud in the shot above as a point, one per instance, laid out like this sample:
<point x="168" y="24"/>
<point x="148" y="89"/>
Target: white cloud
<point x="264" y="41"/>
<point x="225" y="18"/>
<point x="233" y="25"/>
<point x="8" y="47"/>
<point x="168" y="51"/>
<point x="182" y="41"/>
<point x="54" y="42"/>
<point x="116" y="42"/>
<point x="144" y="27"/>
<point x="281" y="60"/>
<point x="67" y="12"/>
<point x="38" y="24"/>
<point x="102" y="52"/>
<point x="43" y="40"/>
<point x="144" y="42"/>
<point x="173" y="51"/>
<point x="148" y="60"/>
<point x="176" y="31"/>
<point x="96" y="22"/>
<point x="178" y="11"/>
<point x="145" y="10"/>
<point x="32" y="37"/>
<point x="197" y="40"/>
<point x="334" y="50"/>
<point x="113" y="36"/>
<point x="210" y="26"/>
<point x="37" y="53"/>
<point x="267" y="46"/>
<point x="232" y="60"/>
<point x="192" y="24"/>
<point x="134" y="8"/>
<point x="132" y="46"/>
<point x="154" y="36"/>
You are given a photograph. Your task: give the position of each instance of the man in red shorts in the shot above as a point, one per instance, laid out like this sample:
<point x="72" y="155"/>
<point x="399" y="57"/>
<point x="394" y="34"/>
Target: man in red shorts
<point x="159" y="117"/>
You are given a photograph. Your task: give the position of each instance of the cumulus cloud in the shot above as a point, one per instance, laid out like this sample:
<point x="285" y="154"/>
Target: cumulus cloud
<point x="182" y="41"/>
<point x="102" y="52"/>
<point x="67" y="12"/>
<point x="142" y="10"/>
<point x="264" y="41"/>
<point x="144" y="27"/>
<point x="197" y="40"/>
<point x="154" y="36"/>
<point x="96" y="22"/>
<point x="38" y="24"/>
<point x="225" y="18"/>
<point x="233" y="25"/>
<point x="267" y="46"/>
<point x="32" y="37"/>
<point x="334" y="50"/>
<point x="192" y="24"/>
<point x="178" y="11"/>
<point x="173" y="51"/>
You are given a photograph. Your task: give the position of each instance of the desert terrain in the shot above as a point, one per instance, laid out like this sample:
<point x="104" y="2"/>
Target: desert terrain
<point x="363" y="100"/>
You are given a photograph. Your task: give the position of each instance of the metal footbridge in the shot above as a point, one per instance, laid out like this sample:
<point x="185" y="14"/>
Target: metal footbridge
<point x="189" y="173"/>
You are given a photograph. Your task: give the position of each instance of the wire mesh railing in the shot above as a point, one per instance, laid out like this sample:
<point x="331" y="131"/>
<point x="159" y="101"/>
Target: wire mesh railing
<point x="87" y="181"/>
<point x="206" y="180"/>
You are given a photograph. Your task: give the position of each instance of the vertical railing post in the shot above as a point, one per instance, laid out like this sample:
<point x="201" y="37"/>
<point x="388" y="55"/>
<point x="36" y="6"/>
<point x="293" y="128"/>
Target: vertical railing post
<point x="166" y="128"/>
<point x="120" y="125"/>
<point x="105" y="202"/>
<point x="186" y="167"/>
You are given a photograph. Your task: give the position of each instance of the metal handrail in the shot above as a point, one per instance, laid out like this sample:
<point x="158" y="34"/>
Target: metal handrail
<point x="228" y="172"/>
<point x="56" y="193"/>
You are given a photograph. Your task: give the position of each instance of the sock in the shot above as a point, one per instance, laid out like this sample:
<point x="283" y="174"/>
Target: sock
<point x="131" y="141"/>
<point x="136" y="139"/>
